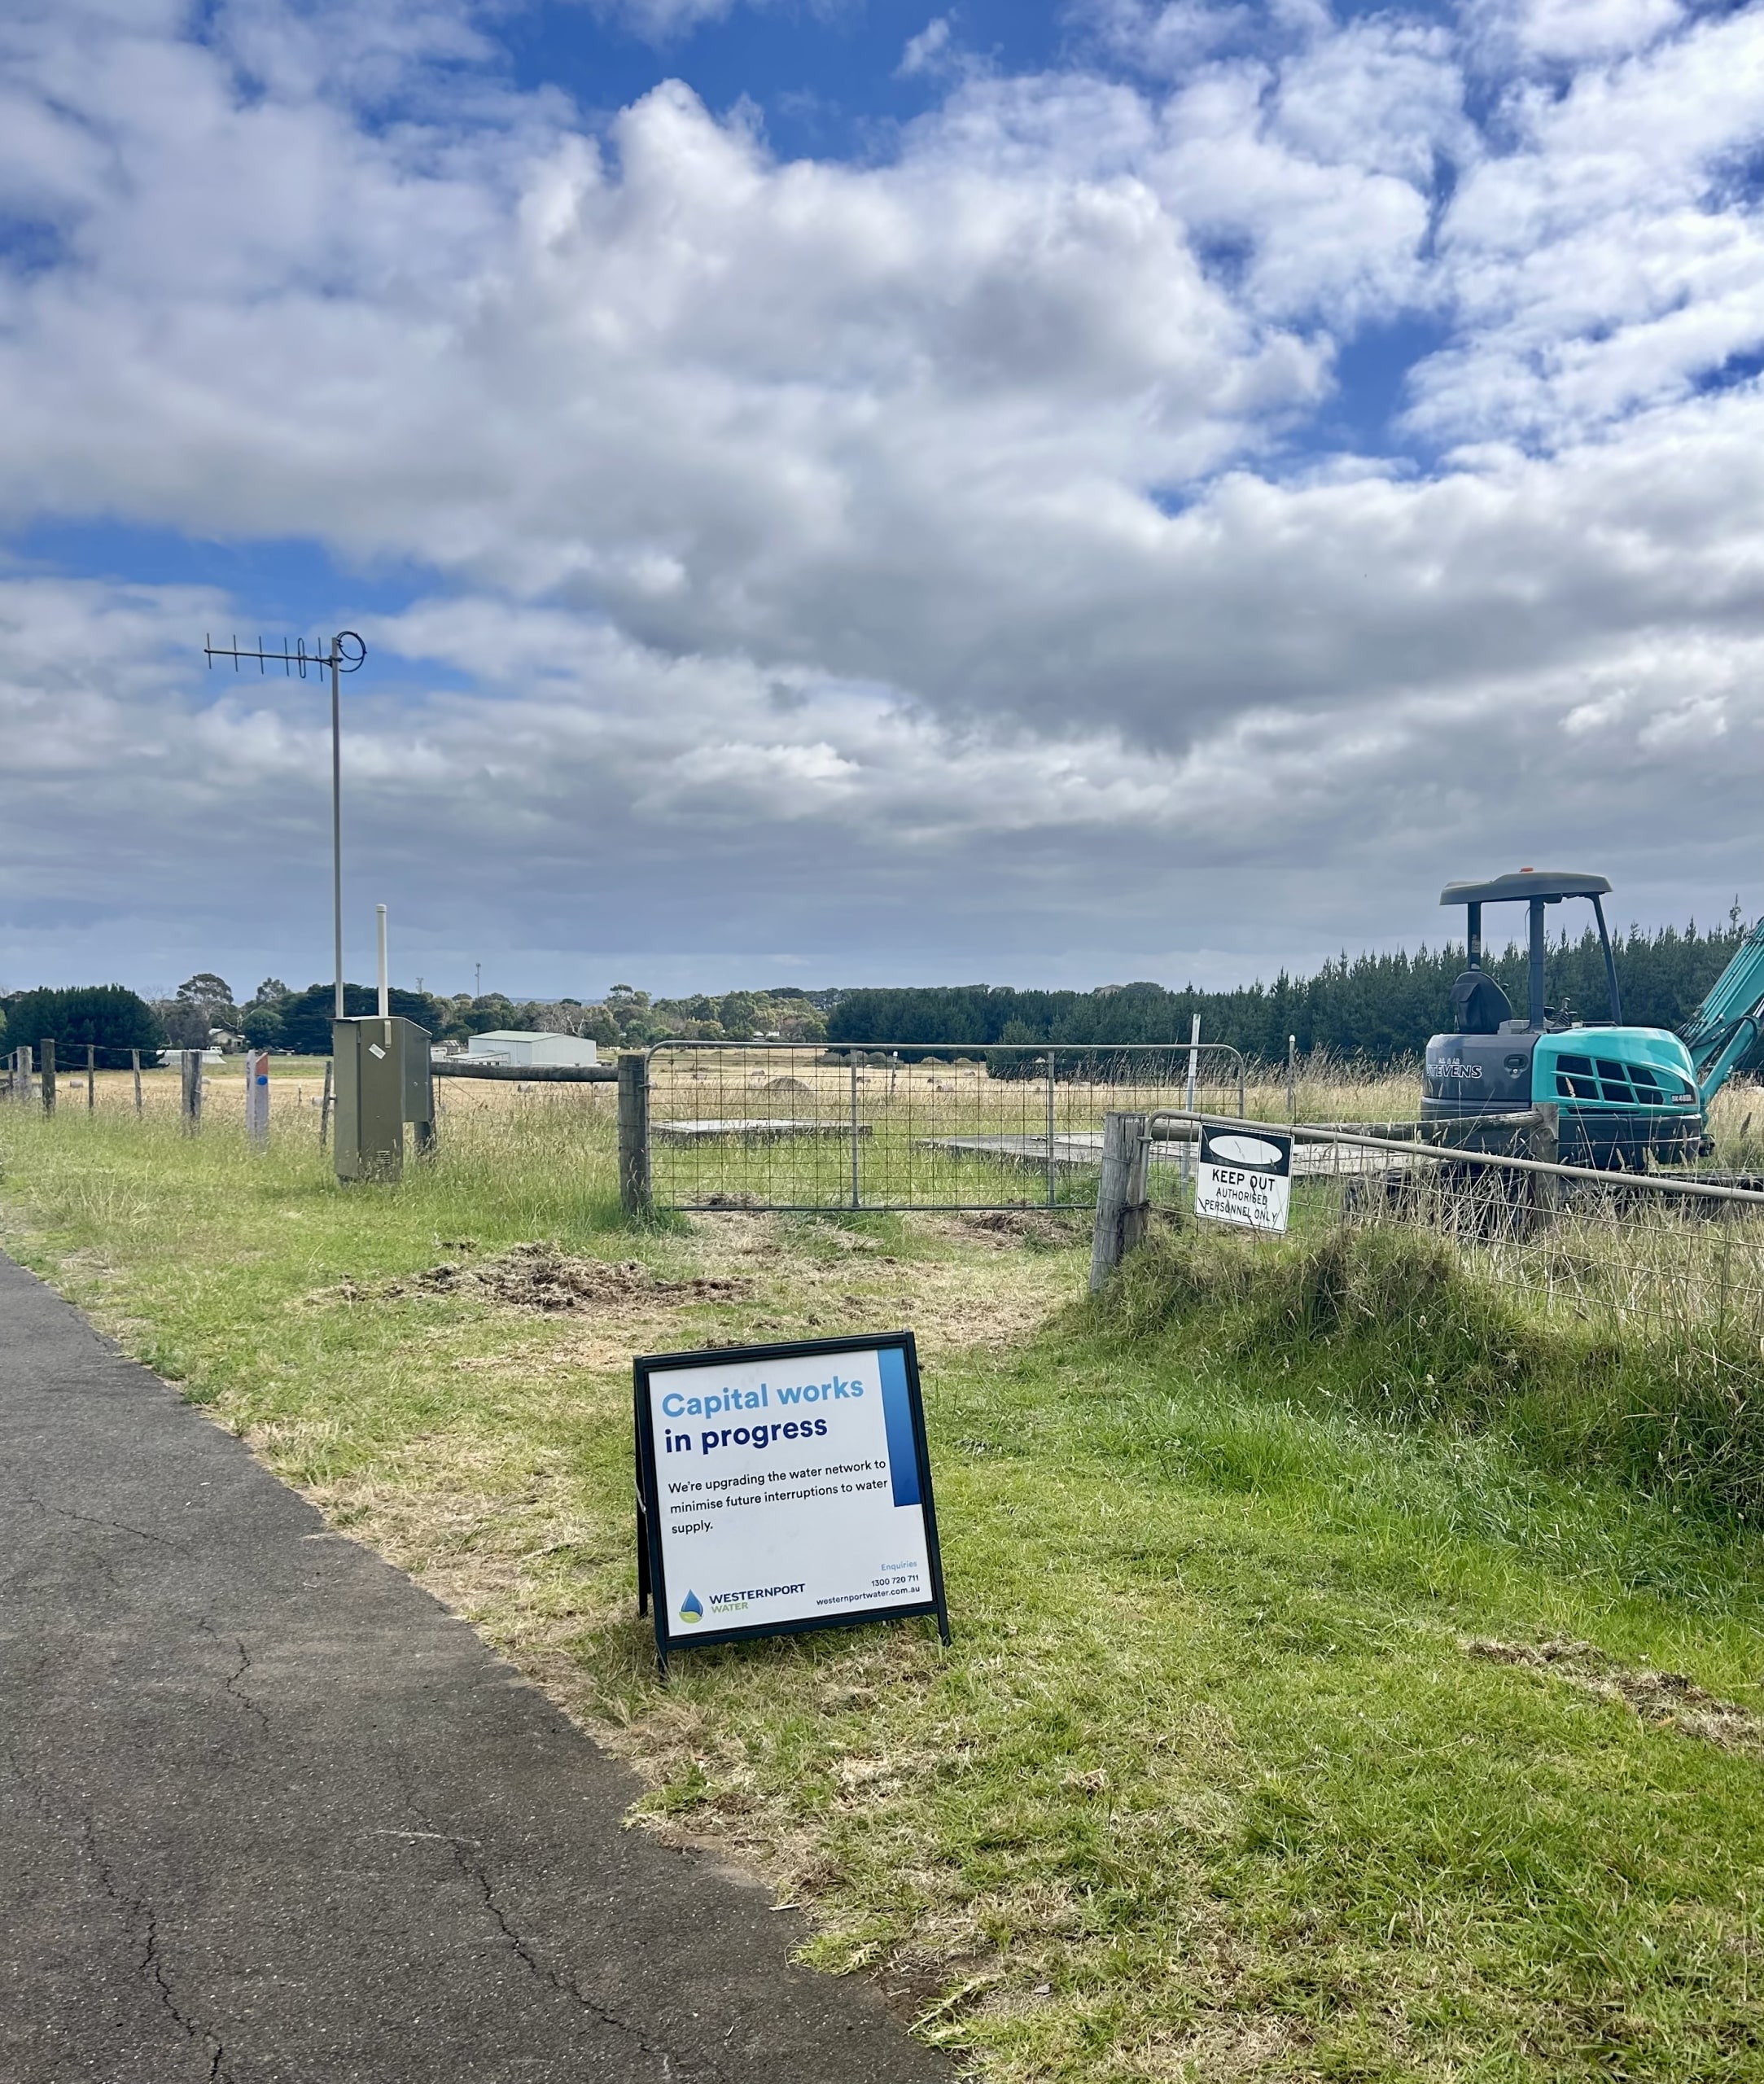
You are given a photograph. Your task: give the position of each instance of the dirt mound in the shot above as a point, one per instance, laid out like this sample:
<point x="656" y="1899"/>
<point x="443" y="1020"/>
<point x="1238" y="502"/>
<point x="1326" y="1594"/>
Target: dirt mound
<point x="1665" y="1700"/>
<point x="540" y="1277"/>
<point x="788" y="1085"/>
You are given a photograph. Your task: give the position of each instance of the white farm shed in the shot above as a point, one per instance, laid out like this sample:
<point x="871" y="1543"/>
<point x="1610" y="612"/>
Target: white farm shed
<point x="529" y="1049"/>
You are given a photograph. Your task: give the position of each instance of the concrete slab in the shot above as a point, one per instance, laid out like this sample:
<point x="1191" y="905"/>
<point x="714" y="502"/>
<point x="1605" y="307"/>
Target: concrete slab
<point x="270" y="1815"/>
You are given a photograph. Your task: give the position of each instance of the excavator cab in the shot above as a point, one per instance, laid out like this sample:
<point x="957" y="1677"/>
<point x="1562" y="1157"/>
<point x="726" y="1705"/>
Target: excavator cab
<point x="1629" y="1096"/>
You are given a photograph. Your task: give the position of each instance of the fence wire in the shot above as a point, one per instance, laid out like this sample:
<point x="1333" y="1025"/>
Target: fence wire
<point x="1684" y="1267"/>
<point x="295" y="1096"/>
<point x="788" y="1126"/>
<point x="791" y="1127"/>
<point x="1681" y="1263"/>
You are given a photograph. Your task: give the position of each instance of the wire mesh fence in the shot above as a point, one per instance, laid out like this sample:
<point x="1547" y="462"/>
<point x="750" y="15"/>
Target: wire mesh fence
<point x="791" y="1127"/>
<point x="787" y="1127"/>
<point x="1676" y="1259"/>
<point x="1682" y="1266"/>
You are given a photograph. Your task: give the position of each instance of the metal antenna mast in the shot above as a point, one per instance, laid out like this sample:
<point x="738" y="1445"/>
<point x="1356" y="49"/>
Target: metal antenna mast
<point x="344" y="654"/>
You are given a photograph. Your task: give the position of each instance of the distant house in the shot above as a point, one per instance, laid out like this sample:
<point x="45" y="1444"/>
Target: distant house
<point x="529" y="1050"/>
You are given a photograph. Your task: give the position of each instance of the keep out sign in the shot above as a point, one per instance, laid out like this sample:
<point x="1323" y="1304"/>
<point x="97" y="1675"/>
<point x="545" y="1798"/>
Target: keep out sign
<point x="1245" y="1177"/>
<point x="782" y="1488"/>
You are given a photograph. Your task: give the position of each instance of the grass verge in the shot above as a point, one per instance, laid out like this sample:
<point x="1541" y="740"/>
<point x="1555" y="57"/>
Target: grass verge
<point x="1305" y="1717"/>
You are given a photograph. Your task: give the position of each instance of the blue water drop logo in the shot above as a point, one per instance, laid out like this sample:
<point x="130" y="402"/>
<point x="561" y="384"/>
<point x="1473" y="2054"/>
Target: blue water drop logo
<point x="691" y="1608"/>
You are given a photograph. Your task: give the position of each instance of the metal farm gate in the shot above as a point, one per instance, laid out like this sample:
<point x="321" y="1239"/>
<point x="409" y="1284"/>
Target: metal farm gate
<point x="797" y="1126"/>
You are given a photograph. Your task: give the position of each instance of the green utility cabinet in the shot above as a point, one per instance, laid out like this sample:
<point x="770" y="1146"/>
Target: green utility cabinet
<point x="382" y="1080"/>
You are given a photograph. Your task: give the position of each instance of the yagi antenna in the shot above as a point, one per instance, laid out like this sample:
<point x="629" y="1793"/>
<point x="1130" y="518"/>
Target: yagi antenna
<point x="343" y="654"/>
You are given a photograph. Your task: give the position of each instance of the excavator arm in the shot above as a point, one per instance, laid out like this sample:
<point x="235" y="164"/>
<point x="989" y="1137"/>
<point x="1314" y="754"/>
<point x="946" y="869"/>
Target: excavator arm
<point x="1725" y="1027"/>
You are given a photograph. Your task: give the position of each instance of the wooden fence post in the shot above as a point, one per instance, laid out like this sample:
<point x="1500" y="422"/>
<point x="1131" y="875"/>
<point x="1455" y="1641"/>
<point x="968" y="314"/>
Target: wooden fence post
<point x="47" y="1059"/>
<point x="91" y="1076"/>
<point x="1122" y="1211"/>
<point x="192" y="1071"/>
<point x="634" y="1133"/>
<point x="134" y="1064"/>
<point x="324" y="1107"/>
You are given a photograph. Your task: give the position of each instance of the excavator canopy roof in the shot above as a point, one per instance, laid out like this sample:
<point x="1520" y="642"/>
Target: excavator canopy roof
<point x="1552" y="885"/>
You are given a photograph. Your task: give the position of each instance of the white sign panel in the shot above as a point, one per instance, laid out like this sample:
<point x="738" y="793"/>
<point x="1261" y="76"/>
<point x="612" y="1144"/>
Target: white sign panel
<point x="784" y="1488"/>
<point x="1245" y="1177"/>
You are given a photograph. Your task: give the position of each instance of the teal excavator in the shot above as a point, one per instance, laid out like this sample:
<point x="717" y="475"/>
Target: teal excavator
<point x="1629" y="1096"/>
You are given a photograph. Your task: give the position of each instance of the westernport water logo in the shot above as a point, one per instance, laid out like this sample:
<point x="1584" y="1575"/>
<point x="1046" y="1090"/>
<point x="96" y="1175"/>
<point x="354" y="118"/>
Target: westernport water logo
<point x="692" y="1608"/>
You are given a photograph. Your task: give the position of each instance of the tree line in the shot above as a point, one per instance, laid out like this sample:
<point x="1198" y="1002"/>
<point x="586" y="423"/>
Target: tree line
<point x="1378" y="1008"/>
<point x="203" y="1012"/>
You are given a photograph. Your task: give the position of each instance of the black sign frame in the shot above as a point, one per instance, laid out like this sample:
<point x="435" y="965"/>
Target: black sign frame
<point x="652" y="1585"/>
<point x="1263" y="1132"/>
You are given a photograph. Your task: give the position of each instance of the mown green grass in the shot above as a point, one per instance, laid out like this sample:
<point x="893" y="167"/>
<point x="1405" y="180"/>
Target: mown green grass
<point x="1209" y="1784"/>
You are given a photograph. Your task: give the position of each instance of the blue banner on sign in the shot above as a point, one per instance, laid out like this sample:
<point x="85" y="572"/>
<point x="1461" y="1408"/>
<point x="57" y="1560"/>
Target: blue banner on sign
<point x="897" y="1416"/>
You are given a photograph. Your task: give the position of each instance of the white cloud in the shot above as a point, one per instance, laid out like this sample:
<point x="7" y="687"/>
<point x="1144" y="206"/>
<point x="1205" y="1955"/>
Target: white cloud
<point x="799" y="531"/>
<point x="1610" y="258"/>
<point x="661" y="21"/>
<point x="1574" y="30"/>
<point x="928" y="51"/>
<point x="1163" y="40"/>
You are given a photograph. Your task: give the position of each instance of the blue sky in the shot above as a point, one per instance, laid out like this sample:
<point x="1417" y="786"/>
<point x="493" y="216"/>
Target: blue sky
<point x="853" y="492"/>
<point x="829" y="82"/>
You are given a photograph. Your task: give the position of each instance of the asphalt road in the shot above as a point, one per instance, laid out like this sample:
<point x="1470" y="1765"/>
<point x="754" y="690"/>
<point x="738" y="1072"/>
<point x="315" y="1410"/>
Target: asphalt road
<point x="268" y="1813"/>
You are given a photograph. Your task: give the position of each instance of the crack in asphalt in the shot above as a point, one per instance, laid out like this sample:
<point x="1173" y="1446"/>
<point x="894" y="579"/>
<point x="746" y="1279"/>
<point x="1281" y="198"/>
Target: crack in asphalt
<point x="239" y="1693"/>
<point x="89" y="1520"/>
<point x="218" y="2073"/>
<point x="563" y="1983"/>
<point x="232" y="1687"/>
<point x="140" y="1909"/>
<point x="137" y="1910"/>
